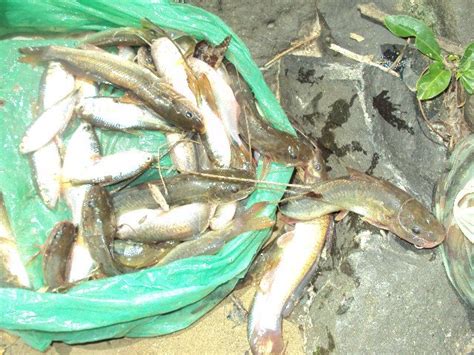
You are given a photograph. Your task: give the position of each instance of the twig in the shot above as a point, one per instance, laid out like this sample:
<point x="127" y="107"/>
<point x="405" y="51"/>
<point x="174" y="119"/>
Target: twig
<point x="400" y="56"/>
<point x="231" y="178"/>
<point x="361" y="58"/>
<point x="372" y="12"/>
<point x="428" y="123"/>
<point x="290" y="49"/>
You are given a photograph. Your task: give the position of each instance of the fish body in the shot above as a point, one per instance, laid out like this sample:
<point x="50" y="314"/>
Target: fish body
<point x="99" y="229"/>
<point x="155" y="225"/>
<point x="12" y="271"/>
<point x="184" y="189"/>
<point x="223" y="215"/>
<point x="123" y="36"/>
<point x="136" y="255"/>
<point x="48" y="125"/>
<point x="212" y="241"/>
<point x="170" y="65"/>
<point x="126" y="53"/>
<point x="112" y="168"/>
<point x="56" y="251"/>
<point x="81" y="151"/>
<point x="107" y="112"/>
<point x="56" y="83"/>
<point x="46" y="171"/>
<point x="379" y="202"/>
<point x="280" y="146"/>
<point x="109" y="68"/>
<point x="295" y="258"/>
<point x="227" y="106"/>
<point x="182" y="152"/>
<point x="215" y="139"/>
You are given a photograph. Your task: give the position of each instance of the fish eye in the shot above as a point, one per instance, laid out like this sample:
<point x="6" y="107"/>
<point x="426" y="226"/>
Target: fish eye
<point x="234" y="189"/>
<point x="189" y="114"/>
<point x="292" y="153"/>
<point x="415" y="229"/>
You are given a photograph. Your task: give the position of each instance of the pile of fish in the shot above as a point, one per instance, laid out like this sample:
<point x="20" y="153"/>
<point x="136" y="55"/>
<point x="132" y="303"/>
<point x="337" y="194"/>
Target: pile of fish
<point x="215" y="133"/>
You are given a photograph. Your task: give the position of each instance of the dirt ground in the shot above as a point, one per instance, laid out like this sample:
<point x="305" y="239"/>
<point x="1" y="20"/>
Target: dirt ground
<point x="222" y="331"/>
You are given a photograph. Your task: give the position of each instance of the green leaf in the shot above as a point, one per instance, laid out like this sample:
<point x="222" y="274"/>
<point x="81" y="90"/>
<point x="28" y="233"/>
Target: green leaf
<point x="468" y="85"/>
<point x="465" y="72"/>
<point x="468" y="54"/>
<point x="466" y="77"/>
<point x="433" y="82"/>
<point x="407" y="26"/>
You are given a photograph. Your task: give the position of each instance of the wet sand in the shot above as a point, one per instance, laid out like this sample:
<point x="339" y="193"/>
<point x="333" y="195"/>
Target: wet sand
<point x="221" y="331"/>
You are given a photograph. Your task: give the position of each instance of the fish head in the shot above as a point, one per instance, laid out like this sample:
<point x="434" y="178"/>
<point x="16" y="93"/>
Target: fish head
<point x="229" y="190"/>
<point x="296" y="153"/>
<point x="418" y="226"/>
<point x="314" y="170"/>
<point x="185" y="111"/>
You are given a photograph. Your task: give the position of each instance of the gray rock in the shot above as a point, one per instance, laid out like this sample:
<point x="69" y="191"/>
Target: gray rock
<point x="376" y="293"/>
<point x="383" y="298"/>
<point x="365" y="119"/>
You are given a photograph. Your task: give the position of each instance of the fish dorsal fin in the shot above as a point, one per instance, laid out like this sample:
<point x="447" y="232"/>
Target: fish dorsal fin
<point x="355" y="174"/>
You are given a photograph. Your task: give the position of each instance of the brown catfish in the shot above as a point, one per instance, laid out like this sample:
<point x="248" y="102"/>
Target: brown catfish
<point x="56" y="251"/>
<point x="280" y="146"/>
<point x="381" y="204"/>
<point x="184" y="189"/>
<point x="99" y="228"/>
<point x="135" y="255"/>
<point x="210" y="242"/>
<point x="123" y="36"/>
<point x="106" y="67"/>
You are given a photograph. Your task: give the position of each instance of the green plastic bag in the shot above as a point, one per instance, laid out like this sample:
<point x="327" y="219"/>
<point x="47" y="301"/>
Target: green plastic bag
<point x="146" y="303"/>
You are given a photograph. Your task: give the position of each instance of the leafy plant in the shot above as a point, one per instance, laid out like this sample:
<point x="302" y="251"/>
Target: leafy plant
<point x="441" y="72"/>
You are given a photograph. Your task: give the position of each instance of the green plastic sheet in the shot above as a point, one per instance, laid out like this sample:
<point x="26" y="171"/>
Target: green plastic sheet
<point x="151" y="302"/>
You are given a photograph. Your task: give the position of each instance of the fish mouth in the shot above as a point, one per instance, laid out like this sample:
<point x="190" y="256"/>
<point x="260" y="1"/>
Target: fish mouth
<point x="423" y="244"/>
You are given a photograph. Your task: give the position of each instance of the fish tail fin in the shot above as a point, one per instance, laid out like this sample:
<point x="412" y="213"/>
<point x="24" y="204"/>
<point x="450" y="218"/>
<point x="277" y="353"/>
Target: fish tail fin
<point x="266" y="341"/>
<point x="33" y="55"/>
<point x="248" y="221"/>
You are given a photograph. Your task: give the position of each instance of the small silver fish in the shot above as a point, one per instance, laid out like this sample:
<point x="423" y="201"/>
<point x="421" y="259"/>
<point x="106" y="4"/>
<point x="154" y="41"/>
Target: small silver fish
<point x="12" y="271"/>
<point x="48" y="125"/>
<point x="107" y="112"/>
<point x="299" y="252"/>
<point x="112" y="168"/>
<point x="82" y="150"/>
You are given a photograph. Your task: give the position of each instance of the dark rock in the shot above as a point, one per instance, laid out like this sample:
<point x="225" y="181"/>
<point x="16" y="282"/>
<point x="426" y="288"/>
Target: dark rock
<point x="365" y="119"/>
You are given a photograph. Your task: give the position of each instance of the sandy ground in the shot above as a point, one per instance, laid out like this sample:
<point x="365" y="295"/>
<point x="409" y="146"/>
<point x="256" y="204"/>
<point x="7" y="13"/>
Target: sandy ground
<point x="222" y="331"/>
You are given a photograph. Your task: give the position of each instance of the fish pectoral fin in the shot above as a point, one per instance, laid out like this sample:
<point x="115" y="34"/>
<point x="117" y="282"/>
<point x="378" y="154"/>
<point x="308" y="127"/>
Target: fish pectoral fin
<point x="91" y="47"/>
<point x="284" y="239"/>
<point x="129" y="98"/>
<point x="374" y="223"/>
<point x="341" y="215"/>
<point x="267" y="281"/>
